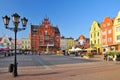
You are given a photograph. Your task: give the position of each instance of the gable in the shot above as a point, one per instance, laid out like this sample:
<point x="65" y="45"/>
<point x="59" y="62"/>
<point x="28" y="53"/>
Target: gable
<point x="117" y="19"/>
<point x="95" y="26"/>
<point x="5" y="39"/>
<point x="107" y="23"/>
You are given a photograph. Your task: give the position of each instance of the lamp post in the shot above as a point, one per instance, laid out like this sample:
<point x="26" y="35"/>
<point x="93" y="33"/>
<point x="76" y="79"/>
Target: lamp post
<point x="15" y="20"/>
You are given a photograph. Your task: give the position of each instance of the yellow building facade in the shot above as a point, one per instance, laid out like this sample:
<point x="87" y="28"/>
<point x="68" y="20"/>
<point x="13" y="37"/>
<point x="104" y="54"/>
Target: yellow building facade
<point x="95" y="37"/>
<point x="117" y="31"/>
<point x="25" y="44"/>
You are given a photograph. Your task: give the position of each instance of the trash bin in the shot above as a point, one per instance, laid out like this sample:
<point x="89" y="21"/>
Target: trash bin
<point x="11" y="66"/>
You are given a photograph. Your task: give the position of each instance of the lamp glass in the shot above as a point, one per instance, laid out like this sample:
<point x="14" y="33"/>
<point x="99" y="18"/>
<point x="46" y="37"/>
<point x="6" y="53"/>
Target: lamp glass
<point x="24" y="21"/>
<point x="6" y="20"/>
<point x="15" y="18"/>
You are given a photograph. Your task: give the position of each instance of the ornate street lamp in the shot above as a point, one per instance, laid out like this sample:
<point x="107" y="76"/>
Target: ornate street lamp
<point x="15" y="19"/>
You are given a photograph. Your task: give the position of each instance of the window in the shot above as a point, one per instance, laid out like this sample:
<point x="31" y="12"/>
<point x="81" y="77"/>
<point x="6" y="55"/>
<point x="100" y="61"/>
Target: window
<point x="51" y="39"/>
<point x="22" y="47"/>
<point x="108" y="24"/>
<point x="109" y="39"/>
<point x="28" y="47"/>
<point x="41" y="43"/>
<point x="98" y="33"/>
<point x="109" y="31"/>
<point x="46" y="43"/>
<point x="95" y="41"/>
<point x="118" y="37"/>
<point x="104" y="25"/>
<point x="33" y="37"/>
<point x="118" y="19"/>
<point x="25" y="47"/>
<point x="34" y="30"/>
<point x="103" y="40"/>
<point x="28" y="42"/>
<point x="117" y="29"/>
<point x="41" y="37"/>
<point x="91" y="35"/>
<point x="98" y="41"/>
<point x="103" y="32"/>
<point x="46" y="37"/>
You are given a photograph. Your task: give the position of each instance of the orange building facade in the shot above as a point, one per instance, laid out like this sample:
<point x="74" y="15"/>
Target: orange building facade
<point x="45" y="37"/>
<point x="107" y="34"/>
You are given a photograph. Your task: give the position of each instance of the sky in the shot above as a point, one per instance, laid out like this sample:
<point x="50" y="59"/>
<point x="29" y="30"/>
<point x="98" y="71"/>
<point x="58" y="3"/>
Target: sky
<point x="73" y="17"/>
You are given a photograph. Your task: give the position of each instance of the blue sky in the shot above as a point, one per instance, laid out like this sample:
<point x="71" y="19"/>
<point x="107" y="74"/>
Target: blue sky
<point x="73" y="17"/>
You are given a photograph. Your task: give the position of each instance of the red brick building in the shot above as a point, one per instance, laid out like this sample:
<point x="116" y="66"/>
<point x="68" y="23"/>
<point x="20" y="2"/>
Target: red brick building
<point x="45" y="37"/>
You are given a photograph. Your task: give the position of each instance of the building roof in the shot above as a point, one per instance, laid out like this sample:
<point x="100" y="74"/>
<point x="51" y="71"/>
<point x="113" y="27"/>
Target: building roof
<point x="82" y="37"/>
<point x="34" y="26"/>
<point x="56" y="30"/>
<point x="45" y="22"/>
<point x="6" y="37"/>
<point x="95" y="24"/>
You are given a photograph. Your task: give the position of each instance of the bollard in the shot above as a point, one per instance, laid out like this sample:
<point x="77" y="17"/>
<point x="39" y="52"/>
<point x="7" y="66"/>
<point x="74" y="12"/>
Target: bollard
<point x="11" y="68"/>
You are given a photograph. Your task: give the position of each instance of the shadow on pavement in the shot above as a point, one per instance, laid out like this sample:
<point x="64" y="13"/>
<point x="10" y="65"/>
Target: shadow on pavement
<point x="38" y="74"/>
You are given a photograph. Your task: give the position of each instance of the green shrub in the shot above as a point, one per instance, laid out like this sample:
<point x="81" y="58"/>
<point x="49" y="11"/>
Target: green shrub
<point x="111" y="53"/>
<point x="118" y="54"/>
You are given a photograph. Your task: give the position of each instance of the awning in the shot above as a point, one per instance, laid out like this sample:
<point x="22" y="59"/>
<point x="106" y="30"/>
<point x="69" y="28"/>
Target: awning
<point x="3" y="48"/>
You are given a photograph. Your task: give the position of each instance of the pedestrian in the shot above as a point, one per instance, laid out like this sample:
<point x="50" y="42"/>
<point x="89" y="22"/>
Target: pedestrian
<point x="105" y="57"/>
<point x="114" y="59"/>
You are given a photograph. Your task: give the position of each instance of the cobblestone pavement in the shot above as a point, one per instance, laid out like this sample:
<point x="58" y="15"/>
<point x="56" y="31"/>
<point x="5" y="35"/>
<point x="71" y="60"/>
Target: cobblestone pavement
<point x="101" y="70"/>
